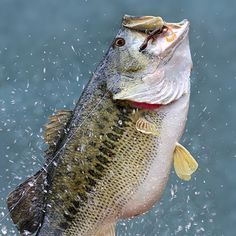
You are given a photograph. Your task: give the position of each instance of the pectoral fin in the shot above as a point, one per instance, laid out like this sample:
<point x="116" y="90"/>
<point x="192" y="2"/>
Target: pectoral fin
<point x="146" y="127"/>
<point x="107" y="230"/>
<point x="184" y="163"/>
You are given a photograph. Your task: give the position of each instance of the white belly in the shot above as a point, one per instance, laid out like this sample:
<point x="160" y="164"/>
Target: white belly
<point x="150" y="191"/>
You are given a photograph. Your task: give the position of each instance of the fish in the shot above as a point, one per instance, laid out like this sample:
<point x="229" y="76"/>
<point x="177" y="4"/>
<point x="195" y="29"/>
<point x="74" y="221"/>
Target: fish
<point x="110" y="158"/>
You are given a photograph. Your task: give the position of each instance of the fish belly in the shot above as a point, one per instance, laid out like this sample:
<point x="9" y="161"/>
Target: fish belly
<point x="171" y="131"/>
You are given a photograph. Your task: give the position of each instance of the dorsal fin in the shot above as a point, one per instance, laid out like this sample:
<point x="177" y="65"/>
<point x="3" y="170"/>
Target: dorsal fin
<point x="56" y="126"/>
<point x="26" y="203"/>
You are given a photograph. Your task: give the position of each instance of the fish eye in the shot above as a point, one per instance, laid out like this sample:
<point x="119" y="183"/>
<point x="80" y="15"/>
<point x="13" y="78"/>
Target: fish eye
<point x="119" y="42"/>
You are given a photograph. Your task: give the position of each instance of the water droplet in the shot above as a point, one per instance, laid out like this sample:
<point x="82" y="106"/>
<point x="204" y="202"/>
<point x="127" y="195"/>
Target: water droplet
<point x="4" y="230"/>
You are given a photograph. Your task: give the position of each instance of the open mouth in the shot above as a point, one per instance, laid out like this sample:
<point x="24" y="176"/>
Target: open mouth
<point x="179" y="29"/>
<point x="156" y="27"/>
<point x="170" y="31"/>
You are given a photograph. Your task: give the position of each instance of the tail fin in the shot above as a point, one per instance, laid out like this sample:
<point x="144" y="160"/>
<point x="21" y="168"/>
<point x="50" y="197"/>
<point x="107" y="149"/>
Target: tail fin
<point x="26" y="203"/>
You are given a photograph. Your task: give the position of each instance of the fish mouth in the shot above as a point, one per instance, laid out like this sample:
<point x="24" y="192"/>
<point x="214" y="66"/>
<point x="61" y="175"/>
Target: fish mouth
<point x="163" y="35"/>
<point x="149" y="23"/>
<point x="178" y="33"/>
<point x="180" y="29"/>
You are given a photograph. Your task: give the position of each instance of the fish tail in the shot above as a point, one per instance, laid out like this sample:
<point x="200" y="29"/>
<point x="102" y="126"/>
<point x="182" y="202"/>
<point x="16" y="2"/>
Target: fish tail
<point x="26" y="203"/>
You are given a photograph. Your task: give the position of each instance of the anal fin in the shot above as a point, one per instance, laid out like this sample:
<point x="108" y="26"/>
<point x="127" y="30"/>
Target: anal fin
<point x="184" y="163"/>
<point x="26" y="203"/>
<point x="107" y="230"/>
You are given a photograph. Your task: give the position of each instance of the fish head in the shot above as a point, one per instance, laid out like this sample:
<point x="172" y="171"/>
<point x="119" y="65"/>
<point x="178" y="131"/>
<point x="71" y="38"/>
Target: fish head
<point x="155" y="73"/>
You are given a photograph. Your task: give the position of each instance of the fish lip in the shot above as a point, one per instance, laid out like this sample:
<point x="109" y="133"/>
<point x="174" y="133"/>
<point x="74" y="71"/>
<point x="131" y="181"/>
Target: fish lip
<point x="183" y="24"/>
<point x="178" y="24"/>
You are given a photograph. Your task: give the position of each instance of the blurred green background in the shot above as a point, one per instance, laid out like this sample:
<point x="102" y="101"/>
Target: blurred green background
<point x="48" y="50"/>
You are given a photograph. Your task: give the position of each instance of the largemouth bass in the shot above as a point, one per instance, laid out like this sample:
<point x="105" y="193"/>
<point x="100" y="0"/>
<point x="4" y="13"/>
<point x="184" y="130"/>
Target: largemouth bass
<point x="111" y="156"/>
